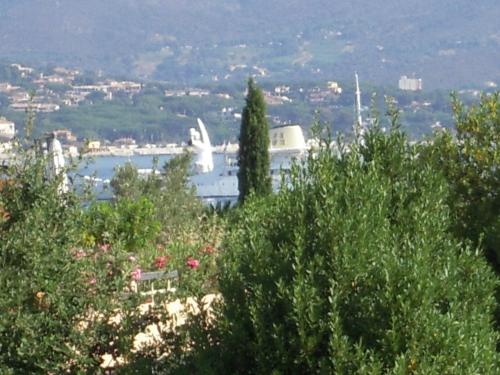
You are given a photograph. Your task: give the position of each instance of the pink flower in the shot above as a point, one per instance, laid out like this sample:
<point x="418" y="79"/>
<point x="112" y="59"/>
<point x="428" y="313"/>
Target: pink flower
<point x="92" y="281"/>
<point x="161" y="261"/>
<point x="132" y="258"/>
<point x="192" y="263"/>
<point x="209" y="249"/>
<point x="136" y="274"/>
<point x="104" y="247"/>
<point x="80" y="253"/>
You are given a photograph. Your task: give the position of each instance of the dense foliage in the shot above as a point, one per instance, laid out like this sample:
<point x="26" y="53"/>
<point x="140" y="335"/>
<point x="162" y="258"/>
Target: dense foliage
<point x="68" y="270"/>
<point x="56" y="296"/>
<point x="253" y="154"/>
<point x="175" y="203"/>
<point x="352" y="269"/>
<point x="369" y="260"/>
<point x="471" y="166"/>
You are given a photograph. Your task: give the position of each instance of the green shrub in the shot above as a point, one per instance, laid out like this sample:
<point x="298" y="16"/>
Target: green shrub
<point x="55" y="296"/>
<point x="176" y="207"/>
<point x="131" y="222"/>
<point x="351" y="270"/>
<point x="470" y="164"/>
<point x="66" y="268"/>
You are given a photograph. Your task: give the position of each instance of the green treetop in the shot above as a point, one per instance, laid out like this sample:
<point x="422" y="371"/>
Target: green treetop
<point x="253" y="158"/>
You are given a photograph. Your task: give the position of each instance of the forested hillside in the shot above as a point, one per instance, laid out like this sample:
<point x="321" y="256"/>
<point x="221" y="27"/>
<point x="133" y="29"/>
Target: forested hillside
<point x="447" y="43"/>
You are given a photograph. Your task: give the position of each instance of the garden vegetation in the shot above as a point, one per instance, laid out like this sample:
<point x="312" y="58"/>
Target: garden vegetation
<point x="376" y="257"/>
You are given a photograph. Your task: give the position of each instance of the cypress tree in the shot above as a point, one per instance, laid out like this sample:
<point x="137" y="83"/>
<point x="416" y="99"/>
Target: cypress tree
<point x="253" y="157"/>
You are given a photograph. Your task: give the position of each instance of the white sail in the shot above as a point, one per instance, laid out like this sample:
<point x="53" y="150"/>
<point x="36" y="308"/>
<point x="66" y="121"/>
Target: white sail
<point x="202" y="148"/>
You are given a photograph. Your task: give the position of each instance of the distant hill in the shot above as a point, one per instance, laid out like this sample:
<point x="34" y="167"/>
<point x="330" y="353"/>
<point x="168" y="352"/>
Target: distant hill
<point x="448" y="43"/>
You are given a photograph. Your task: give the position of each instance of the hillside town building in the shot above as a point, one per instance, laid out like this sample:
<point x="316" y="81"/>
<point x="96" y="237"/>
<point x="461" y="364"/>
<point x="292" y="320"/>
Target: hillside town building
<point x="410" y="84"/>
<point x="7" y="130"/>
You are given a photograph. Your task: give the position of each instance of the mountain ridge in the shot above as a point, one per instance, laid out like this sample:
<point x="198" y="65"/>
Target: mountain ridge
<point x="448" y="43"/>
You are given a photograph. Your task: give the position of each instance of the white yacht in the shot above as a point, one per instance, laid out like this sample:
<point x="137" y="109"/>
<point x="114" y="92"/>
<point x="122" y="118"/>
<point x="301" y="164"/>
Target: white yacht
<point x="287" y="139"/>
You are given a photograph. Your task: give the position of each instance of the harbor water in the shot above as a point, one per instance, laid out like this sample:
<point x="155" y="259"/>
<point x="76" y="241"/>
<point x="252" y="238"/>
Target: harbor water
<point x="221" y="184"/>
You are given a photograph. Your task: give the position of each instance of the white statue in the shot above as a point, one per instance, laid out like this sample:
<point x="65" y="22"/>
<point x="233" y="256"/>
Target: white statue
<point x="202" y="148"/>
<point x="55" y="165"/>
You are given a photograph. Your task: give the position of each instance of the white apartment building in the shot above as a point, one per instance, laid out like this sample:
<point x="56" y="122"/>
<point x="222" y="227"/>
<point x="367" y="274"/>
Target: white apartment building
<point x="410" y="84"/>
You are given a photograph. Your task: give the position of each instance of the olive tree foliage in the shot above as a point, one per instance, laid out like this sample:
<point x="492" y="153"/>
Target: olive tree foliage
<point x="470" y="162"/>
<point x="351" y="269"/>
<point x="177" y="209"/>
<point x="126" y="182"/>
<point x="253" y="156"/>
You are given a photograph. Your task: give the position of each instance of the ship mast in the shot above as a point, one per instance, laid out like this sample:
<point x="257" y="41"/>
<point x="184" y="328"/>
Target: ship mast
<point x="358" y="125"/>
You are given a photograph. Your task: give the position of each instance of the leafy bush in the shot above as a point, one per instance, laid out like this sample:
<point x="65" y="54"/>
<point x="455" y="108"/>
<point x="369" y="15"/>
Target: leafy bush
<point x="163" y="224"/>
<point x="470" y="164"/>
<point x="128" y="221"/>
<point x="176" y="206"/>
<point x="56" y="297"/>
<point x="67" y="269"/>
<point x="351" y="270"/>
